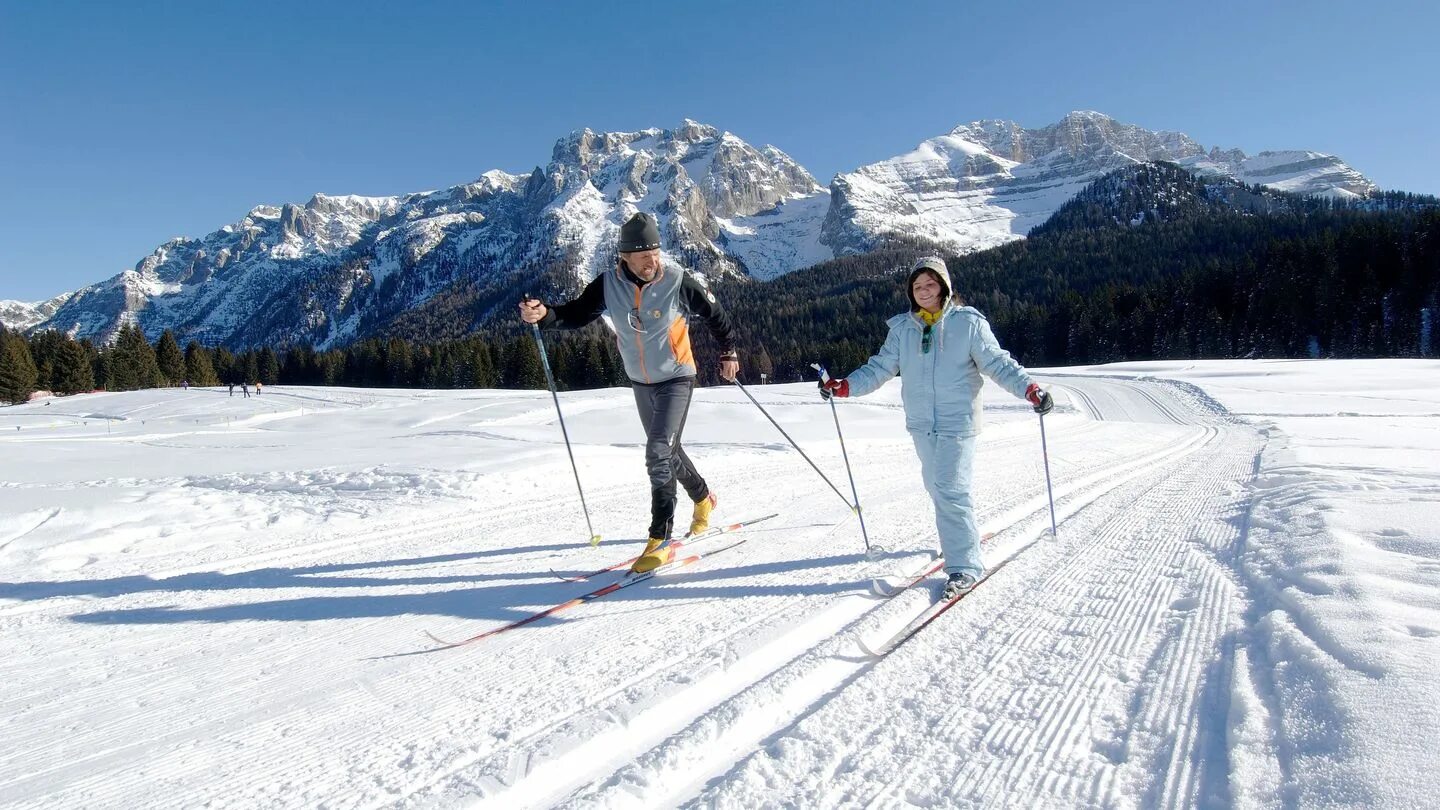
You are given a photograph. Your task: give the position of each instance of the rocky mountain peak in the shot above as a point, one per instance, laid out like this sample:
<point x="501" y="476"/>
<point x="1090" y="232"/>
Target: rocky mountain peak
<point x="341" y="267"/>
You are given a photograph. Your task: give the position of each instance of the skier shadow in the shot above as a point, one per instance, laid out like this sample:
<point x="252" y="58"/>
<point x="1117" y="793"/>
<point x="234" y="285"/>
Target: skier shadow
<point x="495" y="604"/>
<point x="322" y="576"/>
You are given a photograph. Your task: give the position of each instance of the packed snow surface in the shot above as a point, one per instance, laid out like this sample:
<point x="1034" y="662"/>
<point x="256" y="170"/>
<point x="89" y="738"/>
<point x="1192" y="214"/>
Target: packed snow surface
<point x="209" y="600"/>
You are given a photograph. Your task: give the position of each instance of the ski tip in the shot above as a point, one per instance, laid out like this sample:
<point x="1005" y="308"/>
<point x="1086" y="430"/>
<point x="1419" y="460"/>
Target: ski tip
<point x="880" y="588"/>
<point x="865" y="648"/>
<point x="440" y="641"/>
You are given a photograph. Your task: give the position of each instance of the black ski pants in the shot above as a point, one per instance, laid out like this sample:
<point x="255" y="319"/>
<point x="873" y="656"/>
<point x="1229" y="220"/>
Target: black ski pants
<point x="663" y="408"/>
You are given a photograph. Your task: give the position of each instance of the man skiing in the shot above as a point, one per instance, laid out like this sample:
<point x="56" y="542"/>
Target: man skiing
<point x="651" y="301"/>
<point x="940" y="348"/>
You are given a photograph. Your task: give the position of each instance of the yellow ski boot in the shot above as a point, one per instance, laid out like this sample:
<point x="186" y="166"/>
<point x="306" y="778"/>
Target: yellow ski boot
<point x="700" y="520"/>
<point x="657" y="553"/>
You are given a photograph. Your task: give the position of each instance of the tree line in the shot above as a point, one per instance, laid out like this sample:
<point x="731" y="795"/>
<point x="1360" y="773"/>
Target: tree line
<point x="54" y="362"/>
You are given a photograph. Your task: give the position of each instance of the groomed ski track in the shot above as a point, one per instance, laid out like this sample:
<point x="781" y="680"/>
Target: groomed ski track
<point x="735" y="683"/>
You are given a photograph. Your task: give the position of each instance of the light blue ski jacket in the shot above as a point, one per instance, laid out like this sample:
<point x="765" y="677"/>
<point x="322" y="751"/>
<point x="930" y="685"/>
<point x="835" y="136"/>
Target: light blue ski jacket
<point x="941" y="388"/>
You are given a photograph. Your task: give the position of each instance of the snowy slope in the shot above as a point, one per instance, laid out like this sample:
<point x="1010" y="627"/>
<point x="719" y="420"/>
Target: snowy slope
<point x="210" y="599"/>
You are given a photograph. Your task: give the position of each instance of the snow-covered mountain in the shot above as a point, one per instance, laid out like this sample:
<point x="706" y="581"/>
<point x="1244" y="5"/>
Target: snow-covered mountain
<point x="990" y="182"/>
<point x="338" y="268"/>
<point x="343" y="267"/>
<point x="22" y="315"/>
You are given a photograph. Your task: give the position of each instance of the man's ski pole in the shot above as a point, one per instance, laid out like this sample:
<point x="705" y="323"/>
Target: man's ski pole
<point x="864" y="535"/>
<point x="794" y="445"/>
<point x="550" y="380"/>
<point x="1048" y="490"/>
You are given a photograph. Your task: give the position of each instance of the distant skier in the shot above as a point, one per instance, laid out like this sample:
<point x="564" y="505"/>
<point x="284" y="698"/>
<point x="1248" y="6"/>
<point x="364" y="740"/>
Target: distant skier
<point x="185" y="385"/>
<point x="232" y="389"/>
<point x="940" y="348"/>
<point x="651" y="301"/>
<point x="245" y="388"/>
<point x="257" y="388"/>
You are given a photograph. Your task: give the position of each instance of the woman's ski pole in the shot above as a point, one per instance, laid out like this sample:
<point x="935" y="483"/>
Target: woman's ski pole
<point x="825" y="377"/>
<point x="550" y="381"/>
<point x="1048" y="490"/>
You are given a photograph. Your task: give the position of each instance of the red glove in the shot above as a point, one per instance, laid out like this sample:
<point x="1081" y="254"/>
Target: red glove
<point x="1039" y="398"/>
<point x="834" y="388"/>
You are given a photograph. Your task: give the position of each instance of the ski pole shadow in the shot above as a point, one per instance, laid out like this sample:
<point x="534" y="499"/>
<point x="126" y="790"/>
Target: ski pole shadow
<point x="485" y="597"/>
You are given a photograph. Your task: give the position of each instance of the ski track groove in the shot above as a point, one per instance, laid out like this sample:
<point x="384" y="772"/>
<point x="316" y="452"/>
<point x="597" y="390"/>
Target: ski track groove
<point x="710" y="717"/>
<point x="1061" y="728"/>
<point x="1031" y="754"/>
<point x="237" y="715"/>
<point x="516" y="756"/>
<point x="1096" y="467"/>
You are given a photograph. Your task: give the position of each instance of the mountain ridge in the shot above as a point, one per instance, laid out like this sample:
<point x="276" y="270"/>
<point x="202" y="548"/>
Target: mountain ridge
<point x="341" y="267"/>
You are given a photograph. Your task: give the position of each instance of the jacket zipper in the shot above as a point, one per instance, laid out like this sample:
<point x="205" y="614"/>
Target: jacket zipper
<point x="639" y="338"/>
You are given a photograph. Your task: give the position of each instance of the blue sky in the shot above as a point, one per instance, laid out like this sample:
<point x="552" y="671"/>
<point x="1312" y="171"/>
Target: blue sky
<point x="125" y="124"/>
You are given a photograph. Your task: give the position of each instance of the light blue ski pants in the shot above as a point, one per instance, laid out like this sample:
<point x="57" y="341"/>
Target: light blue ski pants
<point x="947" y="463"/>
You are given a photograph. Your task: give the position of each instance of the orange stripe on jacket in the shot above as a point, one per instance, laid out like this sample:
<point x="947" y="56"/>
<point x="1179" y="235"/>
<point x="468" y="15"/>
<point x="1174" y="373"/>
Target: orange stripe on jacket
<point x="680" y="343"/>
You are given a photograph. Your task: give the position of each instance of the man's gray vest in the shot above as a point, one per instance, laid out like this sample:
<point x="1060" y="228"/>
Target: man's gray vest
<point x="652" y="328"/>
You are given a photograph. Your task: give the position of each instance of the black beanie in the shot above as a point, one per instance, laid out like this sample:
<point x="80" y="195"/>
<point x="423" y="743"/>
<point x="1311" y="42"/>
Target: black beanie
<point x="639" y="233"/>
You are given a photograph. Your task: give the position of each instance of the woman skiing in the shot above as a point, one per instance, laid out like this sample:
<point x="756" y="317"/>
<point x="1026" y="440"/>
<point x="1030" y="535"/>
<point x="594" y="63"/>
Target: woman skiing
<point x="940" y="348"/>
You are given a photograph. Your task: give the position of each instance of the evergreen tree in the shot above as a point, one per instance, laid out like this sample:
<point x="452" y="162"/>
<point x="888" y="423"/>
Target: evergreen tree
<point x="763" y="364"/>
<point x="594" y="371"/>
<point x="45" y="349"/>
<point x="169" y="358"/>
<point x="131" y="362"/>
<point x="522" y="369"/>
<point x="330" y="367"/>
<point x="199" y="370"/>
<point x="268" y="366"/>
<point x="299" y="366"/>
<point x="73" y="372"/>
<point x="17" y="368"/>
<point x="250" y="363"/>
<point x="399" y="365"/>
<point x="227" y="368"/>
<point x="482" y="365"/>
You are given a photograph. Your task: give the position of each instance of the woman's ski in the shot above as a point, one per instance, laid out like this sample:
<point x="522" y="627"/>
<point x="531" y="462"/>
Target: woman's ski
<point x="920" y="622"/>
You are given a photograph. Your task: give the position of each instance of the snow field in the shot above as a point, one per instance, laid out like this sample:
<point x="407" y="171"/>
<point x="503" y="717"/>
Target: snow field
<point x="1238" y="609"/>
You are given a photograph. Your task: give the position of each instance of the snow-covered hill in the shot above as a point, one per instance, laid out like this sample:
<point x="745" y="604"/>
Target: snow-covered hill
<point x="343" y="267"/>
<point x="212" y="600"/>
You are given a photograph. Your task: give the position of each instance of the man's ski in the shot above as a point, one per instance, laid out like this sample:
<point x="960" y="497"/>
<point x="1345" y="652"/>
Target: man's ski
<point x="623" y="582"/>
<point x="684" y="541"/>
<point x="920" y="622"/>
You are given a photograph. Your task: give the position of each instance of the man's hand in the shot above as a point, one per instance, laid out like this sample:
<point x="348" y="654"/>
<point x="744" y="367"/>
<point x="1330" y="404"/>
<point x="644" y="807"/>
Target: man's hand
<point x="1039" y="398"/>
<point x="531" y="310"/>
<point x="834" y="388"/>
<point x="729" y="367"/>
